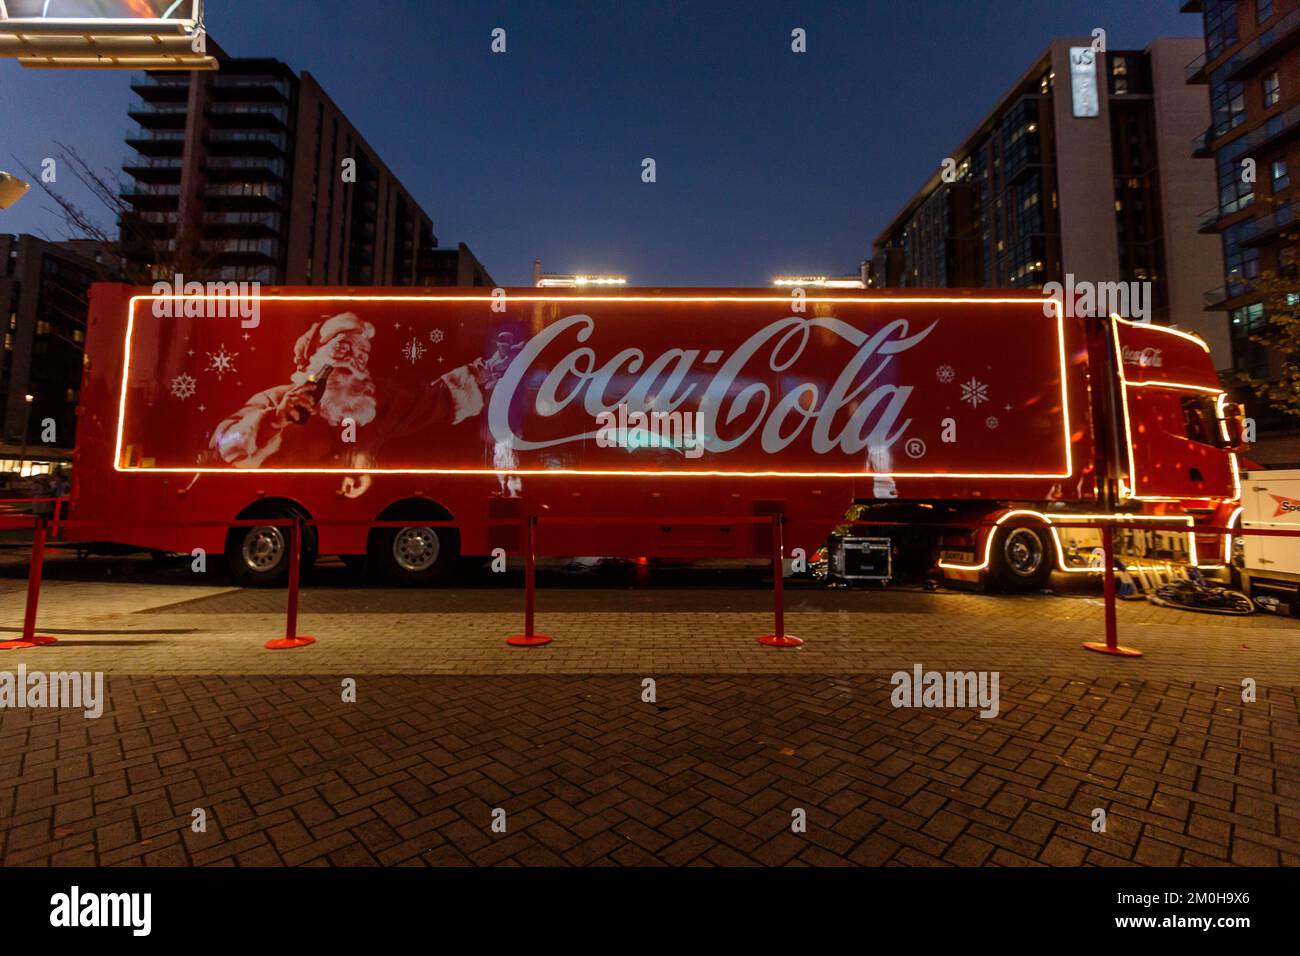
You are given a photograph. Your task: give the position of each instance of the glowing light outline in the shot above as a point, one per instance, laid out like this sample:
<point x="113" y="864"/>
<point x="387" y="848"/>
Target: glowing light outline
<point x="1056" y="537"/>
<point x="1125" y="385"/>
<point x="540" y="472"/>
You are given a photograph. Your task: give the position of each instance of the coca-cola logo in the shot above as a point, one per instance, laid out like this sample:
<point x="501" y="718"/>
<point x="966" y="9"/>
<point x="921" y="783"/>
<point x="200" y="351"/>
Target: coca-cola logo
<point x="732" y="392"/>
<point x="1143" y="358"/>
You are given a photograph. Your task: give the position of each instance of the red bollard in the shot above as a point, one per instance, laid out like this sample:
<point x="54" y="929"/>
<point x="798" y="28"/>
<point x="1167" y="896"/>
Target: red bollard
<point x="1111" y="646"/>
<point x="292" y="638"/>
<point x="529" y="638"/>
<point x="30" y="638"/>
<point x="779" y="638"/>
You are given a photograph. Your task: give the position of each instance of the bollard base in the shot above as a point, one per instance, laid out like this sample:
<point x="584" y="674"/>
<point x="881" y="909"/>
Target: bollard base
<point x="780" y="640"/>
<point x="284" y="643"/>
<point x="528" y="640"/>
<point x="36" y="640"/>
<point x="1101" y="648"/>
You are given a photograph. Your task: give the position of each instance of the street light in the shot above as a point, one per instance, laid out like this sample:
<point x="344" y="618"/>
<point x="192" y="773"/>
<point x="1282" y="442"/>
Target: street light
<point x="27" y="420"/>
<point x="11" y="189"/>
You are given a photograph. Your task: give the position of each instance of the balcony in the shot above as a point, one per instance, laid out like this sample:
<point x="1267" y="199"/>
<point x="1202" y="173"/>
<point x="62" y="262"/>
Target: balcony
<point x="242" y="250"/>
<point x="1196" y="70"/>
<point x="248" y="168"/>
<point x="260" y="88"/>
<point x="162" y="87"/>
<point x="158" y="115"/>
<point x="1265" y="48"/>
<point x="160" y="142"/>
<point x="1270" y="227"/>
<point x="1201" y="144"/>
<point x="153" y="169"/>
<point x="249" y="115"/>
<point x="243" y="224"/>
<point x="151" y="195"/>
<point x="236" y="196"/>
<point x="254" y="142"/>
<point x="1216" y="300"/>
<point x="1276" y="131"/>
<point x="1209" y="220"/>
<point x="158" y="218"/>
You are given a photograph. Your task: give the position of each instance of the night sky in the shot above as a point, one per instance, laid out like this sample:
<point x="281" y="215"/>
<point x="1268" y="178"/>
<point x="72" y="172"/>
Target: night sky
<point x="767" y="161"/>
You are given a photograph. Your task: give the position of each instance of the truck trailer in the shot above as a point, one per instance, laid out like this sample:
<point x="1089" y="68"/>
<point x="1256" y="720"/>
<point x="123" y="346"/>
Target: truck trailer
<point x="969" y="424"/>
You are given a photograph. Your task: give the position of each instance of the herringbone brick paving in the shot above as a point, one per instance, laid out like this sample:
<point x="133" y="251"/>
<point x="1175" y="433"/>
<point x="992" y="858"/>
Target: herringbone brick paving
<point x="589" y="774"/>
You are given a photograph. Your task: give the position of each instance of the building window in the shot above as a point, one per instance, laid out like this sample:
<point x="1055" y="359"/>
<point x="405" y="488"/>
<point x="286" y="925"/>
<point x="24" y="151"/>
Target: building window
<point x="1234" y="194"/>
<point x="1220" y="27"/>
<point x="1241" y="264"/>
<point x="1263" y="10"/>
<point x="1281" y="176"/>
<point x="1227" y="103"/>
<point x="1272" y="90"/>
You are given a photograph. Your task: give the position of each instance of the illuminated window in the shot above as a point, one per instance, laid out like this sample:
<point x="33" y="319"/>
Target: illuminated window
<point x="1281" y="176"/>
<point x="1272" y="90"/>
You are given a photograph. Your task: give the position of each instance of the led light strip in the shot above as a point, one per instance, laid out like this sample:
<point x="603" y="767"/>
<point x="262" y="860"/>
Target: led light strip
<point x="541" y="472"/>
<point x="1125" y="385"/>
<point x="1056" y="537"/>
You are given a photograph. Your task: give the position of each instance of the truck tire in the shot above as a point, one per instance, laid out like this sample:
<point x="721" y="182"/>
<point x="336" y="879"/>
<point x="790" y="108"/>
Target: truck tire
<point x="415" y="555"/>
<point x="1020" y="559"/>
<point x="258" y="555"/>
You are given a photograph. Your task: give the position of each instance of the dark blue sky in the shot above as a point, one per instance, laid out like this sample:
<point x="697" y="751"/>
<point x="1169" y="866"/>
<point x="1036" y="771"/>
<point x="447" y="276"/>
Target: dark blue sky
<point x="767" y="161"/>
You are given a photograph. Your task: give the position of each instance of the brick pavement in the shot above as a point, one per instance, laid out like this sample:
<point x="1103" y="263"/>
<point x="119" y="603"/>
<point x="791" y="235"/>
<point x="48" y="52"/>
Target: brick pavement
<point x="450" y="724"/>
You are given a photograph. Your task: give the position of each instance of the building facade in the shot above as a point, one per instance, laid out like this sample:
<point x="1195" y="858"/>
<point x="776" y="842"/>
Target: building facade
<point x="1080" y="170"/>
<point x="44" y="288"/>
<point x="1250" y="65"/>
<point x="253" y="173"/>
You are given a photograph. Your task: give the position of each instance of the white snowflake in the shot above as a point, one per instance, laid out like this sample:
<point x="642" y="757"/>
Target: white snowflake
<point x="945" y="374"/>
<point x="974" y="392"/>
<point x="436" y="336"/>
<point x="413" y="350"/>
<point x="222" y="361"/>
<point x="991" y="422"/>
<point x="183" y="386"/>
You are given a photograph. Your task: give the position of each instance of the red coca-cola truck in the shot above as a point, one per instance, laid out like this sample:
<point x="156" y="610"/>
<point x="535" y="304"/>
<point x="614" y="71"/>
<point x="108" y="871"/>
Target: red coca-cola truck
<point x="940" y="415"/>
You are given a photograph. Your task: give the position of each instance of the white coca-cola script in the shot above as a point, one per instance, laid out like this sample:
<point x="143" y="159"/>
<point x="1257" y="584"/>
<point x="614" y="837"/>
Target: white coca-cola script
<point x="733" y="392"/>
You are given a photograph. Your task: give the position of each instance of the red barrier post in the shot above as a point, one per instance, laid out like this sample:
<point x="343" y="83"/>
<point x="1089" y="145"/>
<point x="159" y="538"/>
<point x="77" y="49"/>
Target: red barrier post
<point x="779" y="638"/>
<point x="292" y="638"/>
<point x="30" y="638"/>
<point x="1111" y="646"/>
<point x="529" y="638"/>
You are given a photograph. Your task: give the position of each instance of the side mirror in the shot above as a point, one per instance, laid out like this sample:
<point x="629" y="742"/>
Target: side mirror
<point x="1233" y="427"/>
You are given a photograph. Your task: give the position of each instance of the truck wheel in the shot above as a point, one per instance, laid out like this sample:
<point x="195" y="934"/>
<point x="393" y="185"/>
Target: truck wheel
<point x="414" y="555"/>
<point x="258" y="555"/>
<point x="1020" y="559"/>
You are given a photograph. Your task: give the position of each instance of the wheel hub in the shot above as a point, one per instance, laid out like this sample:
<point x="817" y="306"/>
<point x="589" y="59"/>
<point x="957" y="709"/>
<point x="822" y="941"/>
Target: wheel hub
<point x="1024" y="552"/>
<point x="416" y="549"/>
<point x="263" y="548"/>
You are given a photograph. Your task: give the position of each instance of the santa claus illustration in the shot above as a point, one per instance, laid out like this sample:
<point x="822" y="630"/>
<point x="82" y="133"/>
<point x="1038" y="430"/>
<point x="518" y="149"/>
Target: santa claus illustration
<point x="300" y="423"/>
<point x="330" y="386"/>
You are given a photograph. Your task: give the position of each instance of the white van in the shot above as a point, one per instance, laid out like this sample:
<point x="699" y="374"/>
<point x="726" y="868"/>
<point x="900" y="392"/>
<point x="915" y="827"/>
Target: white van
<point x="1270" y="565"/>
